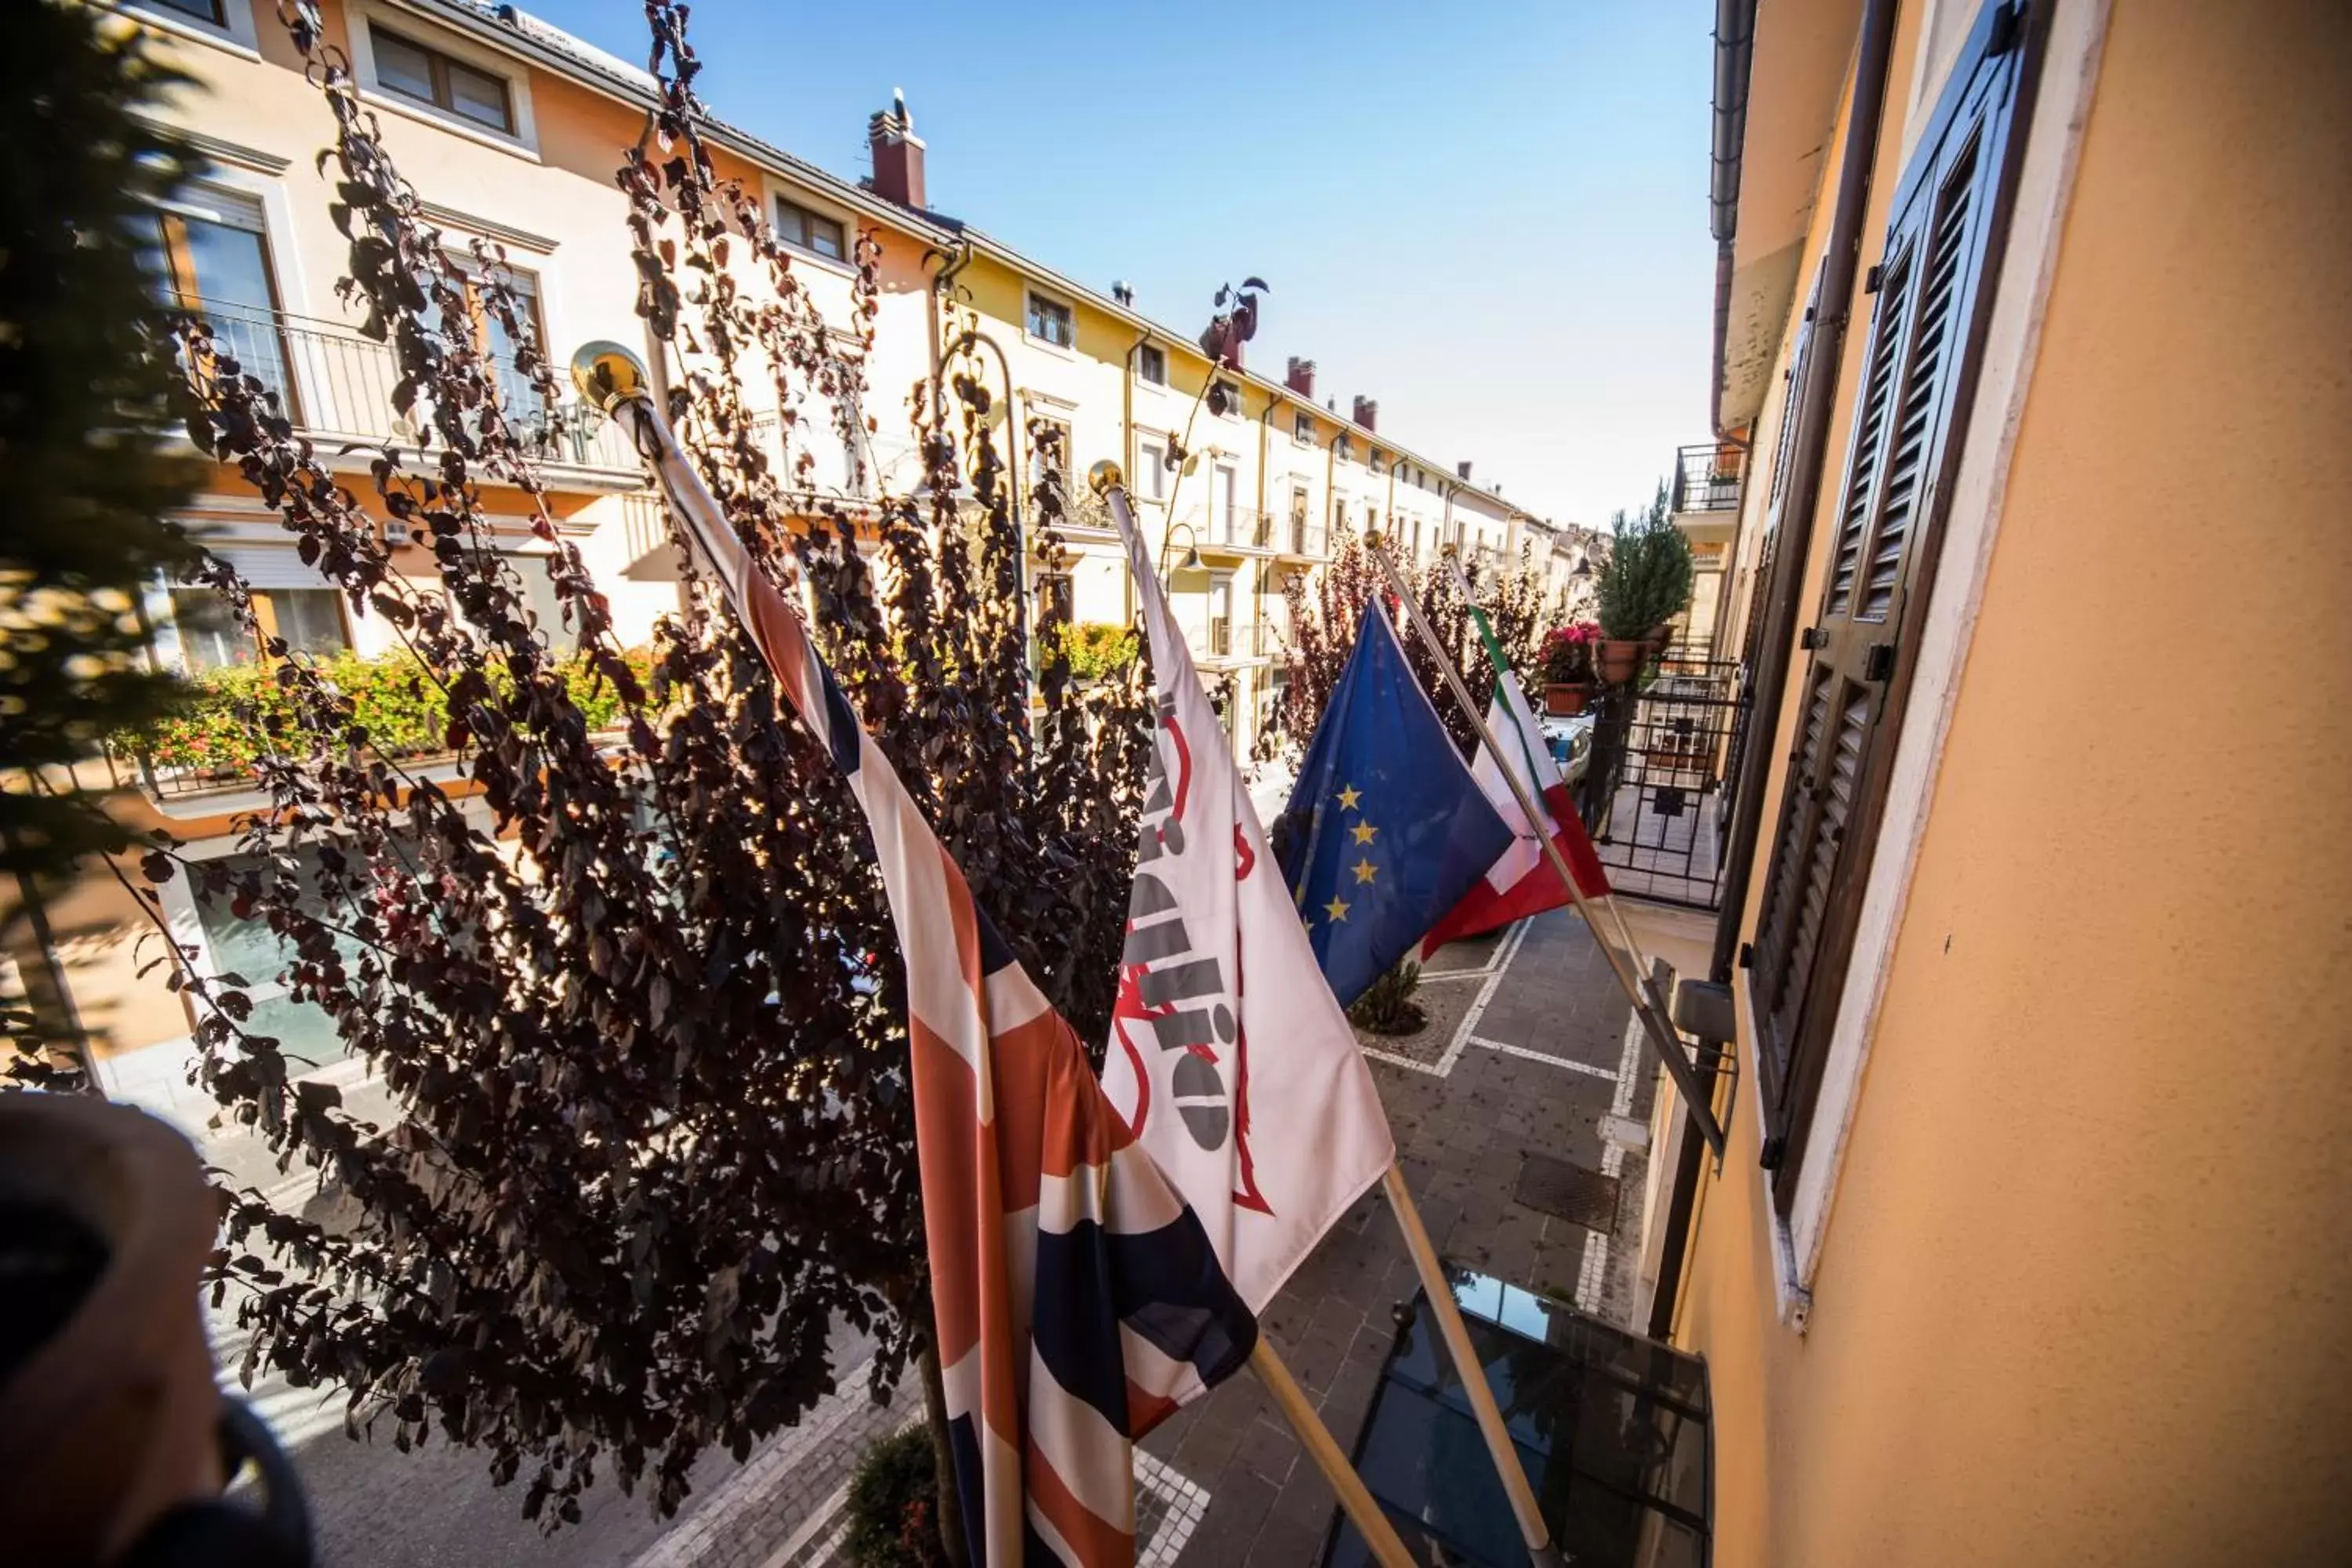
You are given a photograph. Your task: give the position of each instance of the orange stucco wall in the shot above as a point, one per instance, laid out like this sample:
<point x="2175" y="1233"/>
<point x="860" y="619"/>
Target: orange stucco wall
<point x="2084" y="1295"/>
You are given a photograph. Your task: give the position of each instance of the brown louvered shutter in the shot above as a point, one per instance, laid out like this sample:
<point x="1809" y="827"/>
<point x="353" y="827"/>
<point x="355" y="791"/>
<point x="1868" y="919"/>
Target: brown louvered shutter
<point x="1934" y="291"/>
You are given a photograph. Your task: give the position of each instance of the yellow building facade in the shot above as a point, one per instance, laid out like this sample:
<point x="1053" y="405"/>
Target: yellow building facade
<point x="510" y="132"/>
<point x="2027" y="1247"/>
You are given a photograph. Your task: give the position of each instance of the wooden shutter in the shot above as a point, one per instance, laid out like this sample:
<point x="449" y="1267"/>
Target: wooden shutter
<point x="1768" y="554"/>
<point x="1934" y="292"/>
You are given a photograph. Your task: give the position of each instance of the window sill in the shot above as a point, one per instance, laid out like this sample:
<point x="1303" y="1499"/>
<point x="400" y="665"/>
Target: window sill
<point x="817" y="258"/>
<point x="1791" y="1295"/>
<point x="455" y="124"/>
<point x="1048" y="345"/>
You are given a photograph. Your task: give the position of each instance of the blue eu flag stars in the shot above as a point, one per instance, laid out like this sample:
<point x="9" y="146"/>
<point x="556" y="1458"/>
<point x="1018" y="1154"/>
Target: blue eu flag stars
<point x="1386" y="830"/>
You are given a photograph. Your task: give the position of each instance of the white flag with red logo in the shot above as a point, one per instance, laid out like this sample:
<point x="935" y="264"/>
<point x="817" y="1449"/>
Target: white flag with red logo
<point x="1228" y="1054"/>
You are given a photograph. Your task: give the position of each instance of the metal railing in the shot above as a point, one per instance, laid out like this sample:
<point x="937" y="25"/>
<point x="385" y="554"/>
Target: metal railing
<point x="337" y="385"/>
<point x="1297" y="536"/>
<point x="1655" y="790"/>
<point x="1707" y="477"/>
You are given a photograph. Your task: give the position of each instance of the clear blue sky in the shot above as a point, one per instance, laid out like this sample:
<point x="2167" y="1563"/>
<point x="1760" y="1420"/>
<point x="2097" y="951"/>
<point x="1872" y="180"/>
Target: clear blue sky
<point x="1490" y="217"/>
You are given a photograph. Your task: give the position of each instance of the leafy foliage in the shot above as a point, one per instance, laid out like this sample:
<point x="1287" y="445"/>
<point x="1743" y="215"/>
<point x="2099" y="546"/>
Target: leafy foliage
<point x="1387" y="1006"/>
<point x="635" y="996"/>
<point x="1327" y="610"/>
<point x="84" y="377"/>
<point x="235" y="716"/>
<point x="1645" y="579"/>
<point x="893" y="1499"/>
<point x="1099" y="648"/>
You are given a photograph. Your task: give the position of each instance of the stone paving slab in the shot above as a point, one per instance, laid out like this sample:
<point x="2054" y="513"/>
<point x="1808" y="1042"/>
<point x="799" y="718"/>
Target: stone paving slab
<point x="1542" y="1061"/>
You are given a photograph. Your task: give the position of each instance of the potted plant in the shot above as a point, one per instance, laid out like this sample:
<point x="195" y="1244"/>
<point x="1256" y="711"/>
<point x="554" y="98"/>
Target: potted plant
<point x="1644" y="584"/>
<point x="1568" y="668"/>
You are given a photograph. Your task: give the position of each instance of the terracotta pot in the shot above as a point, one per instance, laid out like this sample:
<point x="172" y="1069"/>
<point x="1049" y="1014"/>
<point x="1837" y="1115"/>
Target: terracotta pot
<point x="112" y="1418"/>
<point x="1619" y="660"/>
<point x="1566" y="701"/>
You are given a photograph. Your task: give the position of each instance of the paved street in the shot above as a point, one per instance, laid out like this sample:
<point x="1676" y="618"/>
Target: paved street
<point x="1531" y="1057"/>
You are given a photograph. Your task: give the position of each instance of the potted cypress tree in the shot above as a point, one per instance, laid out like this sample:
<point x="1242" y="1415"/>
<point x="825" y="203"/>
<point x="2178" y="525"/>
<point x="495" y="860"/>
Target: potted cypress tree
<point x="1643" y="584"/>
<point x="1568" y="668"/>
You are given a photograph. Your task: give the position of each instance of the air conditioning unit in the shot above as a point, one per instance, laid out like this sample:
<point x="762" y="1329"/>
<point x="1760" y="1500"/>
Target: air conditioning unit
<point x="396" y="532"/>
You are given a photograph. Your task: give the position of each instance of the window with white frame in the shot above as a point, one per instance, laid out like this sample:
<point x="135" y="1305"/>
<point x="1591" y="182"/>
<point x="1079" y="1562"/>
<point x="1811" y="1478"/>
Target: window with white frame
<point x="813" y="232"/>
<point x="425" y="74"/>
<point x="1051" y="449"/>
<point x="1050" y="322"/>
<point x="1151" y="456"/>
<point x="1302" y="429"/>
<point x="1151" y="364"/>
<point x="1346" y="448"/>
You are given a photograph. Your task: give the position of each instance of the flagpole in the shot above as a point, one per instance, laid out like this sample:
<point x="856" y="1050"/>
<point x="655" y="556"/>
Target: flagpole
<point x="1296" y="1409"/>
<point x="1363" y="1511"/>
<point x="1485" y="632"/>
<point x="1533" y="1529"/>
<point x="1641" y="993"/>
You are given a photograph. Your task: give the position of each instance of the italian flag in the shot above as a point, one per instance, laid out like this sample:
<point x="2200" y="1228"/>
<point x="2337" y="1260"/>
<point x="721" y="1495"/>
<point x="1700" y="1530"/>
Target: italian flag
<point x="1521" y="882"/>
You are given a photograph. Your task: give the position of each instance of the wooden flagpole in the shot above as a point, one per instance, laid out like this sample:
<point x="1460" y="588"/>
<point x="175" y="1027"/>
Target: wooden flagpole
<point x="1616" y="915"/>
<point x="1647" y="1006"/>
<point x="1363" y="1511"/>
<point x="1541" y="1552"/>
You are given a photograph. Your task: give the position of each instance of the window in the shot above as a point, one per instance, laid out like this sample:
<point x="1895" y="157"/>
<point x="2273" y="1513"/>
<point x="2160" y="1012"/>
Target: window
<point x="1231" y="399"/>
<point x="1151" y="456"/>
<point x="811" y="232"/>
<point x="1927" y="325"/>
<point x="210" y="638"/>
<point x="1151" y="364"/>
<point x="1346" y="448"/>
<point x="1221" y="615"/>
<point x="427" y="76"/>
<point x="1375" y="462"/>
<point x="211" y="257"/>
<point x="1049" y="451"/>
<point x="1302" y="429"/>
<point x="208" y="11"/>
<point x="1050" y="322"/>
<point x="310" y="619"/>
<point x="525" y="409"/>
<point x="1299" y="504"/>
<point x="1053" y="598"/>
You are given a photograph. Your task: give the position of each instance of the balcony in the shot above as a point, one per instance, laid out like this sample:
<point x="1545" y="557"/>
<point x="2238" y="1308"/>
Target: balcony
<point x="337" y="386"/>
<point x="1301" y="539"/>
<point x="1707" y="477"/>
<point x="1225" y="641"/>
<point x="1239" y="529"/>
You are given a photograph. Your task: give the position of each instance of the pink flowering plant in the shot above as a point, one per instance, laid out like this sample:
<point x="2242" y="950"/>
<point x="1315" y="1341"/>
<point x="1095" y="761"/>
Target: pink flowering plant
<point x="1567" y="653"/>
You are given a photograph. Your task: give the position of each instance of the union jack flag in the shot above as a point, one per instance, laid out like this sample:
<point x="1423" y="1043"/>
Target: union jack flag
<point x="1077" y="1298"/>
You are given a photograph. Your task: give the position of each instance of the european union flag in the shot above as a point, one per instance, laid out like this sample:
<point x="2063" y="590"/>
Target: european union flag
<point x="1386" y="830"/>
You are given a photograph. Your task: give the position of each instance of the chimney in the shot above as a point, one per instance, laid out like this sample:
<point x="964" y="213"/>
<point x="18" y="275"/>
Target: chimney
<point x="1367" y="413"/>
<point x="897" y="155"/>
<point x="1123" y="291"/>
<point x="1462" y="471"/>
<point x="1301" y="377"/>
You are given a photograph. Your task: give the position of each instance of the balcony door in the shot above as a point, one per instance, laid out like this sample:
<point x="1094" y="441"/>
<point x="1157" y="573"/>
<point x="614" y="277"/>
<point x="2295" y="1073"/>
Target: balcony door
<point x="1224" y="522"/>
<point x="213" y="259"/>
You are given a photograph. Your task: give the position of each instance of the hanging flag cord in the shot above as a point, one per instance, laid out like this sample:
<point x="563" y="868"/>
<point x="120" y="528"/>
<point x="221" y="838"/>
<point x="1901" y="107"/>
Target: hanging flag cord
<point x="1626" y="961"/>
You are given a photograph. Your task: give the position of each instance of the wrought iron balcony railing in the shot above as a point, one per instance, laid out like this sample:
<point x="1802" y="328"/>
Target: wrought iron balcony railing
<point x="1707" y="477"/>
<point x="337" y="385"/>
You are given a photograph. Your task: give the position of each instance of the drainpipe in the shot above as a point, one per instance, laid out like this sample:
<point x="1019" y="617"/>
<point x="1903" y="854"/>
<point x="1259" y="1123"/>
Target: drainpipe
<point x="1785" y="588"/>
<point x="1734" y="37"/>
